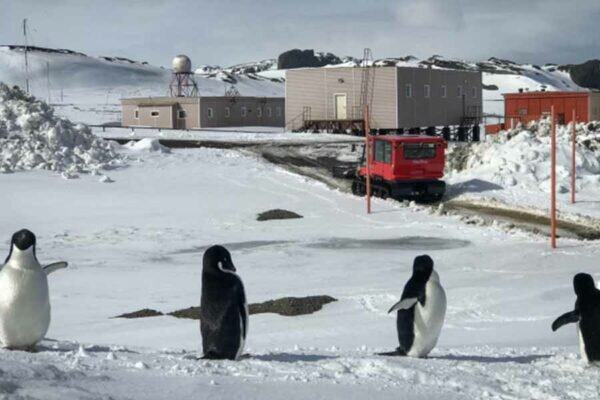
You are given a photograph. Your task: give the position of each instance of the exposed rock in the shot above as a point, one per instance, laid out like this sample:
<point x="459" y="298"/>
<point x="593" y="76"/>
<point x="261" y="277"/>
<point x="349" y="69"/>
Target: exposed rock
<point x="277" y="214"/>
<point x="297" y="58"/>
<point x="144" y="313"/>
<point x="586" y="75"/>
<point x="292" y="306"/>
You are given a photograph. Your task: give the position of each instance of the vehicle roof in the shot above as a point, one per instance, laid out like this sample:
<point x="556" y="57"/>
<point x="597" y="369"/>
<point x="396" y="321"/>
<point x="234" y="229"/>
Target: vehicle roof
<point x="409" y="138"/>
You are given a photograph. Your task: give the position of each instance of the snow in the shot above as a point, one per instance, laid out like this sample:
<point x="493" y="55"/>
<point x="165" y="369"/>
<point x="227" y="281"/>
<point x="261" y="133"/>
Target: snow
<point x="32" y="137"/>
<point x="147" y="145"/>
<point x="138" y="243"/>
<point x="513" y="169"/>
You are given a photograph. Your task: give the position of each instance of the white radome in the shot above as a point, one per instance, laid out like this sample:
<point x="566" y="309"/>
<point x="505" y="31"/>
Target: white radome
<point x="182" y="64"/>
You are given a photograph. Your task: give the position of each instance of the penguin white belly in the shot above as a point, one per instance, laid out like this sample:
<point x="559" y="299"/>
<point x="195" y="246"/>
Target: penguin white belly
<point x="582" y="345"/>
<point x="428" y="320"/>
<point x="24" y="307"/>
<point x="242" y="338"/>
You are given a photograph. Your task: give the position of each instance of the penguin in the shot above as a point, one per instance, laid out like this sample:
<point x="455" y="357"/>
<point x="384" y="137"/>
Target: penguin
<point x="24" y="299"/>
<point x="587" y="316"/>
<point x="420" y="311"/>
<point x="223" y="307"/>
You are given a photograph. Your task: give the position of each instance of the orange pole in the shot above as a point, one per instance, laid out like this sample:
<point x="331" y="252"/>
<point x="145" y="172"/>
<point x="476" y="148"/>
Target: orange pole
<point x="553" y="180"/>
<point x="573" y="155"/>
<point x="368" y="158"/>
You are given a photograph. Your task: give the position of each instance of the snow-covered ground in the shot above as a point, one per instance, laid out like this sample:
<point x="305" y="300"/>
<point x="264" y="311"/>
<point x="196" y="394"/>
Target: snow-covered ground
<point x="513" y="169"/>
<point x="137" y="243"/>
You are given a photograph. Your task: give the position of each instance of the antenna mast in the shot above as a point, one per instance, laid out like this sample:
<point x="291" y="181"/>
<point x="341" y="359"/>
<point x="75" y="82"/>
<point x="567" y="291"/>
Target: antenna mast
<point x="368" y="80"/>
<point x="26" y="61"/>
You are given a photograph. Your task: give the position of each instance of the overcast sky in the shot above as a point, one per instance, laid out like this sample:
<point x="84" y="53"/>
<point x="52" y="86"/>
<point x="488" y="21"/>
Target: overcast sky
<point x="226" y="32"/>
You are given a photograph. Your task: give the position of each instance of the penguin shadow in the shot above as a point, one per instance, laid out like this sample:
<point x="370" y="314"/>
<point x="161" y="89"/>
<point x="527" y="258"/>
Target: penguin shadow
<point x="525" y="359"/>
<point x="291" y="358"/>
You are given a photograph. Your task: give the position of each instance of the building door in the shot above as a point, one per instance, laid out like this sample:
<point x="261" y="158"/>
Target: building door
<point x="341" y="106"/>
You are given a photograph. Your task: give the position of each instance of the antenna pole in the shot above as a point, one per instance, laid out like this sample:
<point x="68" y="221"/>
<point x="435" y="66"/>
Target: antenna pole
<point x="26" y="61"/>
<point x="553" y="179"/>
<point x="48" y="79"/>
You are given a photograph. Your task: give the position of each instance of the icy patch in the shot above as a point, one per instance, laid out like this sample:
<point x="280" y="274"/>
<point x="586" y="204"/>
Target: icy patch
<point x="147" y="145"/>
<point x="32" y="137"/>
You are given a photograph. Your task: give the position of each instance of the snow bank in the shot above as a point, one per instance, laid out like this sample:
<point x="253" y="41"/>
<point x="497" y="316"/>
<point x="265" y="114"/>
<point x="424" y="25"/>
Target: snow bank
<point x="32" y="137"/>
<point x="521" y="158"/>
<point x="147" y="145"/>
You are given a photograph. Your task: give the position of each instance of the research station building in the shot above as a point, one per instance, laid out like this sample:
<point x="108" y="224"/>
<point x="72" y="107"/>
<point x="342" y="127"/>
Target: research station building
<point x="524" y="107"/>
<point x="202" y="112"/>
<point x="400" y="97"/>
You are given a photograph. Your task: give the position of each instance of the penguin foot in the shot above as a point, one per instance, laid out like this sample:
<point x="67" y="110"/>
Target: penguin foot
<point x="396" y="353"/>
<point x="214" y="356"/>
<point x="29" y="349"/>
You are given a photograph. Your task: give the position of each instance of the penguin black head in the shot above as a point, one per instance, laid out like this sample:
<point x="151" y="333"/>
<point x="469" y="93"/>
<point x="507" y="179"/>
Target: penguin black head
<point x="23" y="239"/>
<point x="423" y="267"/>
<point x="217" y="259"/>
<point x="583" y="284"/>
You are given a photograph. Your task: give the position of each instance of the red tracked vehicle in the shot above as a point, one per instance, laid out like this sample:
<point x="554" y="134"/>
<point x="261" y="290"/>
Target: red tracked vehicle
<point x="404" y="167"/>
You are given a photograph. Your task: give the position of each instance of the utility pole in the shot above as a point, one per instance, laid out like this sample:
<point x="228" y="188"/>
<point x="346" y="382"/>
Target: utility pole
<point x="48" y="79"/>
<point x="26" y="61"/>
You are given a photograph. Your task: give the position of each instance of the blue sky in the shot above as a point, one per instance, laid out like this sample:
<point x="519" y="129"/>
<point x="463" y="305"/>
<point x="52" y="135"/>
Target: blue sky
<point x="233" y="31"/>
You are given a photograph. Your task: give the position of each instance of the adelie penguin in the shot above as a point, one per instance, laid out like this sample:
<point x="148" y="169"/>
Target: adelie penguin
<point x="420" y="311"/>
<point x="587" y="316"/>
<point x="24" y="300"/>
<point x="223" y="307"/>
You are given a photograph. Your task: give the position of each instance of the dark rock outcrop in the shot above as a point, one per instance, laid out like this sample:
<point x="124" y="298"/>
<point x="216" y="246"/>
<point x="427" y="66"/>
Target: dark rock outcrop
<point x="297" y="58"/>
<point x="586" y="75"/>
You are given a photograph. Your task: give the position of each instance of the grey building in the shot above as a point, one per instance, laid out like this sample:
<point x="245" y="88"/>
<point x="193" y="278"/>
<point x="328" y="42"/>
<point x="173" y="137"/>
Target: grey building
<point x="202" y="112"/>
<point x="402" y="97"/>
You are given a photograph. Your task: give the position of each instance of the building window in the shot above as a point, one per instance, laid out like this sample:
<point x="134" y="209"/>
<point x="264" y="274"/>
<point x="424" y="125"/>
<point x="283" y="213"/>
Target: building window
<point x="244" y="112"/>
<point x="181" y="114"/>
<point x="444" y="91"/>
<point x="210" y="112"/>
<point x="259" y="112"/>
<point x="460" y="91"/>
<point x="227" y="112"/>
<point x="154" y="113"/>
<point x="408" y="90"/>
<point x="383" y="152"/>
<point x="269" y="112"/>
<point x="427" y="91"/>
<point x="474" y="92"/>
<point x="278" y="111"/>
<point x="136" y="114"/>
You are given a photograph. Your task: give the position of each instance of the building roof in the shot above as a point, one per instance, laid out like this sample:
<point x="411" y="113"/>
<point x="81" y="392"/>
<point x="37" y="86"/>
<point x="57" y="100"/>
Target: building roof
<point x="539" y="94"/>
<point x="167" y="101"/>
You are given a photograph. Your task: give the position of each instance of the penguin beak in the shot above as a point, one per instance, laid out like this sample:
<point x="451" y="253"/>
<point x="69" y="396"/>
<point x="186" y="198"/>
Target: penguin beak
<point x="230" y="266"/>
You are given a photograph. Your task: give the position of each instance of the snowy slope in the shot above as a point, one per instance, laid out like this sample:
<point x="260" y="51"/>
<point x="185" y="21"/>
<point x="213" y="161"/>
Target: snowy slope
<point x="88" y="89"/>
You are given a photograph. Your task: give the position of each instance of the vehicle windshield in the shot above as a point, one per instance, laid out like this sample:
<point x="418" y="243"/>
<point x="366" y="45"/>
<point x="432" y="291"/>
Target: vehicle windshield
<point x="419" y="151"/>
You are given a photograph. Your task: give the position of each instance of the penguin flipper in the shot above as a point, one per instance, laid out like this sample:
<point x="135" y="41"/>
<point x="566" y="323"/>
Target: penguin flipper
<point x="404" y="304"/>
<point x="566" y="318"/>
<point x="50" y="268"/>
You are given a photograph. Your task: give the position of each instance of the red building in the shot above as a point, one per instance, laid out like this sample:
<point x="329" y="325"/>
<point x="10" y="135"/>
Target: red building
<point x="531" y="106"/>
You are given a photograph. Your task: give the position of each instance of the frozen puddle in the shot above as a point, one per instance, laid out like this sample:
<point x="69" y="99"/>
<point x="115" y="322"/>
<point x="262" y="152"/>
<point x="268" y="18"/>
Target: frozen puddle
<point x="401" y="243"/>
<point x="235" y="246"/>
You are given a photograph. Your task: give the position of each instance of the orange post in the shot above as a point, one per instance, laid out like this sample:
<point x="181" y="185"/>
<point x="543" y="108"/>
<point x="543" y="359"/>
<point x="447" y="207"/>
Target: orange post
<point x="553" y="180"/>
<point x="573" y="155"/>
<point x="368" y="158"/>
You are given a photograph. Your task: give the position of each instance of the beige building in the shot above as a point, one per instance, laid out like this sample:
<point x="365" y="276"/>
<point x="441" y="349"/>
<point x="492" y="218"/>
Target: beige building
<point x="202" y="112"/>
<point x="401" y="97"/>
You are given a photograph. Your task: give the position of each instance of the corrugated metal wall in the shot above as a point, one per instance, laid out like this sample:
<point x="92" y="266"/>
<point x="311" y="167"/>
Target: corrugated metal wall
<point x="529" y="106"/>
<point x="437" y="110"/>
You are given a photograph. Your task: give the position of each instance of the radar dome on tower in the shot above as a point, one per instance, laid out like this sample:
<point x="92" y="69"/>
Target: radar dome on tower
<point x="182" y="64"/>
